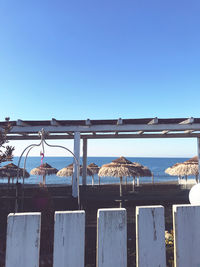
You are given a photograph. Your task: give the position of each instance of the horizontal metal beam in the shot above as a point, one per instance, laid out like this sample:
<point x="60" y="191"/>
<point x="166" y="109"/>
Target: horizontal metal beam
<point x="108" y="128"/>
<point x="107" y="136"/>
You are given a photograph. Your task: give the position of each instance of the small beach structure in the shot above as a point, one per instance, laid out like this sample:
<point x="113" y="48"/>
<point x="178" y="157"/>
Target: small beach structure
<point x="94" y="169"/>
<point x="68" y="171"/>
<point x="10" y="171"/>
<point x="44" y="170"/>
<point x="187" y="168"/>
<point x="120" y="167"/>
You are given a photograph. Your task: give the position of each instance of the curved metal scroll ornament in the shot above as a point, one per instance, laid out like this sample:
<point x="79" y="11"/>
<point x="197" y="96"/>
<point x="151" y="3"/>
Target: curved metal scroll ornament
<point x="42" y="134"/>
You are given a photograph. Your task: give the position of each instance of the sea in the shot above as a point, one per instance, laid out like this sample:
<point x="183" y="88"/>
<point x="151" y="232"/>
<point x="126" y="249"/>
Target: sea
<point x="156" y="165"/>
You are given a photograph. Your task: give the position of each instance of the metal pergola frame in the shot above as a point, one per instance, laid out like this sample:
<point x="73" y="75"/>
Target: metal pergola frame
<point x="104" y="129"/>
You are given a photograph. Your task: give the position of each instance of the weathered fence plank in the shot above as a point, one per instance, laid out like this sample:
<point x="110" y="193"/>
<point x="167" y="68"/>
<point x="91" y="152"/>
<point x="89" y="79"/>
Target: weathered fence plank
<point x="69" y="239"/>
<point x="186" y="220"/>
<point x="23" y="240"/>
<point x="111" y="238"/>
<point x="150" y="236"/>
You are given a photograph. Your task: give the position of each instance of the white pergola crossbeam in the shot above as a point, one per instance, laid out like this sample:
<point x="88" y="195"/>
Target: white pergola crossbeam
<point x="165" y="132"/>
<point x="54" y="122"/>
<point x="119" y="121"/>
<point x="153" y="121"/>
<point x="88" y="122"/>
<point x="21" y="123"/>
<point x="188" y="121"/>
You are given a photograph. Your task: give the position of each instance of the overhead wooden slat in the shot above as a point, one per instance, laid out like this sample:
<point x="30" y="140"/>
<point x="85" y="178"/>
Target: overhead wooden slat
<point x="105" y="136"/>
<point x="188" y="121"/>
<point x="119" y="121"/>
<point x="88" y="122"/>
<point x="54" y="122"/>
<point x="21" y="123"/>
<point x="165" y="132"/>
<point x="153" y="121"/>
<point x="188" y="131"/>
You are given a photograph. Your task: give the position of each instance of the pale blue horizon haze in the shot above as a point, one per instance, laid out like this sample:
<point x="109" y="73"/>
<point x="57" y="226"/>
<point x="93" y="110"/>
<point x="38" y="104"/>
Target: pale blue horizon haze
<point x="101" y="60"/>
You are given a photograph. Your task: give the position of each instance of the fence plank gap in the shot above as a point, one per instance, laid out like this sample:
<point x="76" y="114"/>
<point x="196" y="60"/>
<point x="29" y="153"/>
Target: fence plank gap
<point x="23" y="239"/>
<point x="150" y="236"/>
<point x="186" y="220"/>
<point x="69" y="239"/>
<point x="111" y="238"/>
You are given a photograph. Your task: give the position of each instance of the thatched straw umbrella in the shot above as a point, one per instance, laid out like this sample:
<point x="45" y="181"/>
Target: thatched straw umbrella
<point x="10" y="171"/>
<point x="68" y="171"/>
<point x="186" y="168"/>
<point x="143" y="171"/>
<point x="118" y="168"/>
<point x="44" y="169"/>
<point x="94" y="169"/>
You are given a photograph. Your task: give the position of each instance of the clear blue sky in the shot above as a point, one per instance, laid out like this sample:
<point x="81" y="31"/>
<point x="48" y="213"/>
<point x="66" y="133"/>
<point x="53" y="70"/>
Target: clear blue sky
<point x="102" y="60"/>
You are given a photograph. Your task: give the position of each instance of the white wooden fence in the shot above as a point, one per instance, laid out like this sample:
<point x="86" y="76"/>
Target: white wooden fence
<point x="23" y="238"/>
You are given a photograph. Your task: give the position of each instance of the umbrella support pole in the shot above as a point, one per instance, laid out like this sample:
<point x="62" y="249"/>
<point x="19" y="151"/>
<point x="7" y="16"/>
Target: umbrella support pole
<point x="44" y="179"/>
<point x="133" y="183"/>
<point x="152" y="178"/>
<point x="120" y="191"/>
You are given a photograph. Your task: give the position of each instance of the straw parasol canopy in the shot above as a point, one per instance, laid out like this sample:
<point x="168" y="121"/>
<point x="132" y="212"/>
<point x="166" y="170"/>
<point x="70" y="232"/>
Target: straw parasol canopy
<point x="95" y="169"/>
<point x="118" y="168"/>
<point x="68" y="171"/>
<point x="143" y="171"/>
<point x="186" y="168"/>
<point x="44" y="169"/>
<point x="10" y="171"/>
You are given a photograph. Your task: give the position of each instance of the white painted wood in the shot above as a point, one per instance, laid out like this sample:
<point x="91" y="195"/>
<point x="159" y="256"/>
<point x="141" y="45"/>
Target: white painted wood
<point x="186" y="220"/>
<point x="23" y="240"/>
<point x="120" y="121"/>
<point x="54" y="122"/>
<point x="75" y="180"/>
<point x="154" y="121"/>
<point x="150" y="236"/>
<point x="69" y="239"/>
<point x="22" y="123"/>
<point x="138" y="181"/>
<point x="100" y="136"/>
<point x="188" y="121"/>
<point x="198" y="153"/>
<point x="84" y="174"/>
<point x="189" y="131"/>
<point x="88" y="122"/>
<point x="165" y="132"/>
<point x="111" y="238"/>
<point x="108" y="128"/>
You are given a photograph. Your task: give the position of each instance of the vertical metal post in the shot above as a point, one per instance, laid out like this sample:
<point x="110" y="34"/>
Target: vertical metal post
<point x="75" y="181"/>
<point x="198" y="153"/>
<point x="84" y="175"/>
